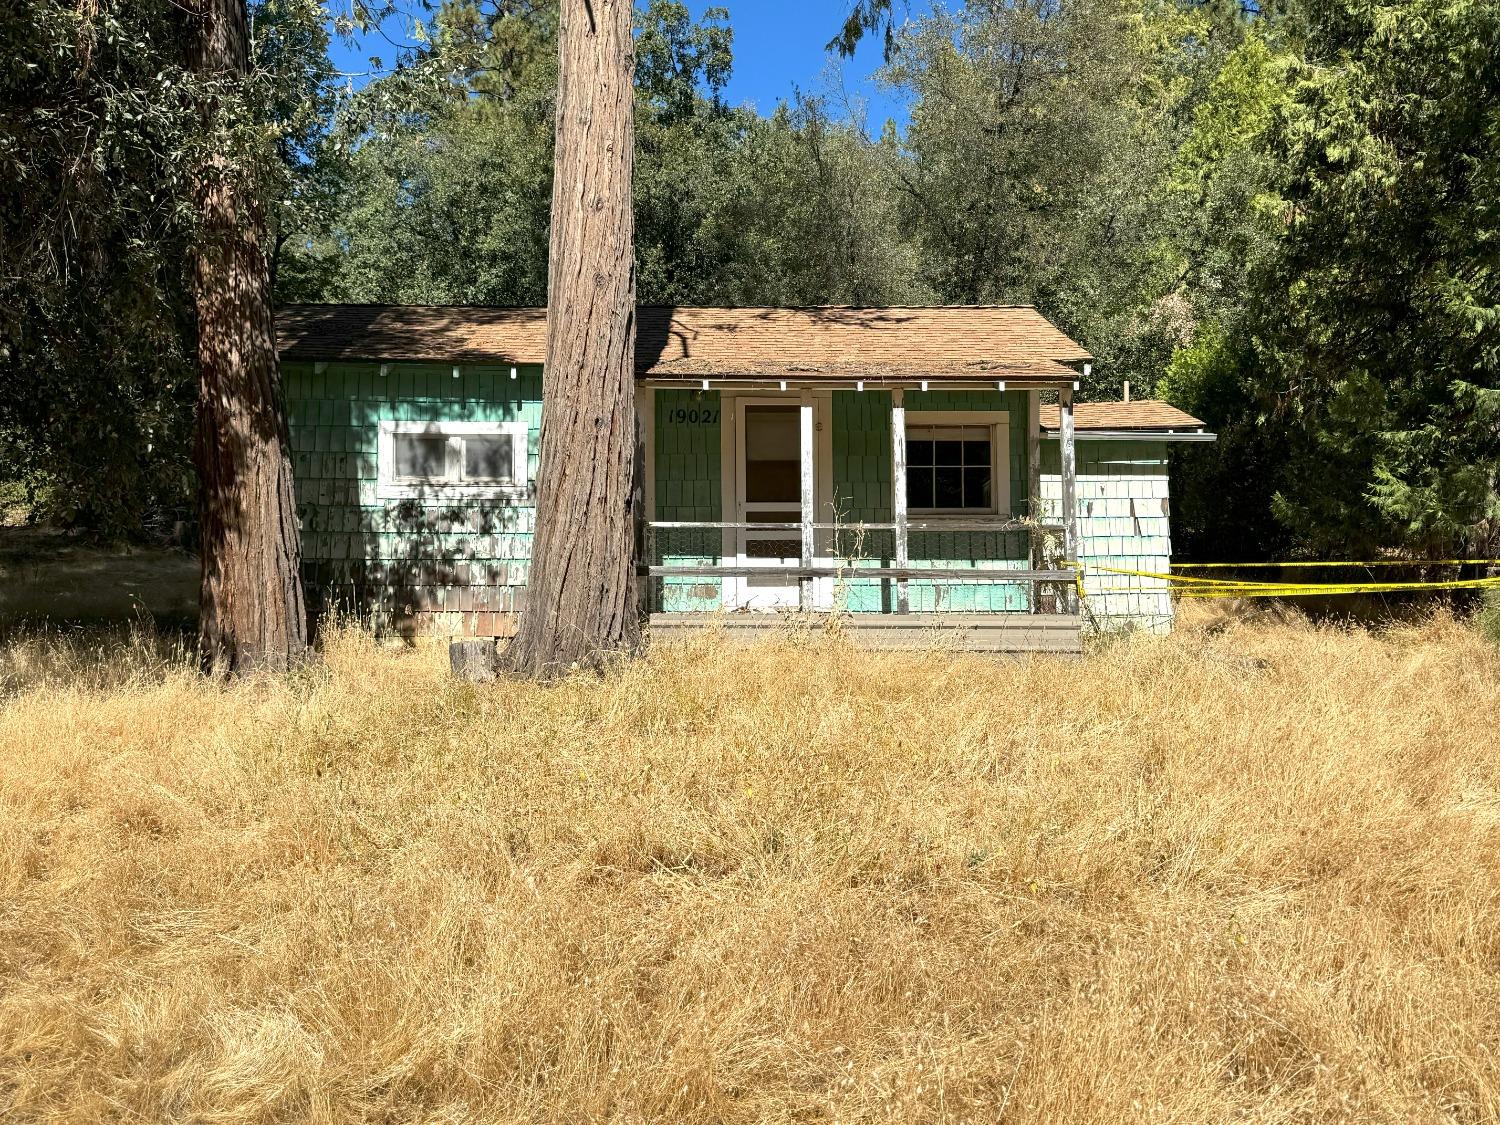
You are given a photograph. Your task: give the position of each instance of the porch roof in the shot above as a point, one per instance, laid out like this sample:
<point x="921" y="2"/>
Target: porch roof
<point x="949" y="343"/>
<point x="1143" y="416"/>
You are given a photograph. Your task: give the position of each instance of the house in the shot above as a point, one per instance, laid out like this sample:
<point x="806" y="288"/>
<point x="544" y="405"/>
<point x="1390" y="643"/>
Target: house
<point x="901" y="464"/>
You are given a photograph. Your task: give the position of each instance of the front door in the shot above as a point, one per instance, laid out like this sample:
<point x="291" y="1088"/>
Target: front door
<point x="769" y="491"/>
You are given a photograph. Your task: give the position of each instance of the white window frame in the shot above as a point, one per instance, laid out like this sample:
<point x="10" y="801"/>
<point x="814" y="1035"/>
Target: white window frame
<point x="452" y="487"/>
<point x="998" y="423"/>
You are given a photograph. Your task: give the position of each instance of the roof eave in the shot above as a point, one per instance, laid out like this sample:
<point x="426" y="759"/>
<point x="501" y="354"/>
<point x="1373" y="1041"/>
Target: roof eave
<point x="1138" y="434"/>
<point x="918" y="381"/>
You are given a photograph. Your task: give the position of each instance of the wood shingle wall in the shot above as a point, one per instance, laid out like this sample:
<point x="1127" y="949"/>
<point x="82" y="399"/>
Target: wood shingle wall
<point x="403" y="564"/>
<point x="1124" y="522"/>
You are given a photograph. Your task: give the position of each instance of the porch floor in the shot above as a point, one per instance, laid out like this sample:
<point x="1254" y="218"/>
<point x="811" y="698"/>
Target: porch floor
<point x="961" y="632"/>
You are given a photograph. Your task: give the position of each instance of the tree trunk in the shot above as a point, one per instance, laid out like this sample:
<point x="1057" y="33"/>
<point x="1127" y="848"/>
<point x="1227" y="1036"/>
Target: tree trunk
<point x="581" y="604"/>
<point x="252" y="615"/>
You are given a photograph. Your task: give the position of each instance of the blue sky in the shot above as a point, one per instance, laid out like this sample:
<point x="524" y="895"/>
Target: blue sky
<point x="778" y="48"/>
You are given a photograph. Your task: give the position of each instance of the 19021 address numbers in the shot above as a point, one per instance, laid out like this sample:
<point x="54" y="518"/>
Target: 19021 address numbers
<point x="694" y="416"/>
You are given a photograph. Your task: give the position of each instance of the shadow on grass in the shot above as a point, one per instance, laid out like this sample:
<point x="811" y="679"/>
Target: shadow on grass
<point x="54" y="580"/>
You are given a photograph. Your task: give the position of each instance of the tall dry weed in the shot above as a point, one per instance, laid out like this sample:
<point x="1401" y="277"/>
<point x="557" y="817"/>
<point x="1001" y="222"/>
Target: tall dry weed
<point x="1247" y="872"/>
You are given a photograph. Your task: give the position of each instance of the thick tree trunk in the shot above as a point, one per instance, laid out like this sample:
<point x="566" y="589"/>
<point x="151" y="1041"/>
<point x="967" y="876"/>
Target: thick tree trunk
<point x="252" y="615"/>
<point x="581" y="604"/>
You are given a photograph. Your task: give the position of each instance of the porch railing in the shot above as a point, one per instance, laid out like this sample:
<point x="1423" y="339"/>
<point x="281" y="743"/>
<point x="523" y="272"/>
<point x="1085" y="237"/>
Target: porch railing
<point x="856" y="566"/>
<point x="1062" y="577"/>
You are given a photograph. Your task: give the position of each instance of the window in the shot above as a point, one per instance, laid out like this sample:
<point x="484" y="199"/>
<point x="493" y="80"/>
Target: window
<point x="452" y="460"/>
<point x="420" y="458"/>
<point x="489" y="458"/>
<point x="956" y="463"/>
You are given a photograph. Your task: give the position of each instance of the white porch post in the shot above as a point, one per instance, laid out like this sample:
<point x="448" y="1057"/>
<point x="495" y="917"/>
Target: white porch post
<point x="898" y="491"/>
<point x="805" y="584"/>
<point x="1034" y="487"/>
<point x="1068" y="448"/>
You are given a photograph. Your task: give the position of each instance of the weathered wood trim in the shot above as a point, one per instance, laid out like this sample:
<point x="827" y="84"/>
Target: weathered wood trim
<point x="1140" y="435"/>
<point x="944" y="574"/>
<point x="389" y="487"/>
<point x="898" y="493"/>
<point x="998" y="423"/>
<point x="809" y="484"/>
<point x="1034" y="485"/>
<point x="823" y="543"/>
<point x="759" y="384"/>
<point x="731" y="488"/>
<point x="1069" y="451"/>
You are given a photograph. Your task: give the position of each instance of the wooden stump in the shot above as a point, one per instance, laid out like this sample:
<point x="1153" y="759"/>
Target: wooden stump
<point x="473" y="660"/>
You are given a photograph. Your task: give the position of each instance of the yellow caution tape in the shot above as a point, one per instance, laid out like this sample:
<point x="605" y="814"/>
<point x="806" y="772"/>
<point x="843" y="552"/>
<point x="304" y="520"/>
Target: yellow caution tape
<point x="1186" y="586"/>
<point x="1315" y="591"/>
<point x="1370" y="562"/>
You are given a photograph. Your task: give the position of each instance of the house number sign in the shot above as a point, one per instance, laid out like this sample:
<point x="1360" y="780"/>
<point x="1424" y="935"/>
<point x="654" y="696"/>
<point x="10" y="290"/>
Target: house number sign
<point x="695" y="416"/>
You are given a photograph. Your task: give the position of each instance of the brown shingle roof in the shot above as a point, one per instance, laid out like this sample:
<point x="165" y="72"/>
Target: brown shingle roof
<point x="1143" y="414"/>
<point x="978" y="342"/>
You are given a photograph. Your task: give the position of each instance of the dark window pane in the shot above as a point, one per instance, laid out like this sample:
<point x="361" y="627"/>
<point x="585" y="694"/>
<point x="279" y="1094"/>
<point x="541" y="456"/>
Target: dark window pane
<point x="948" y="453"/>
<point x="772" y="433"/>
<point x="919" y="488"/>
<point x="488" y="457"/>
<point x="976" y="453"/>
<point x="919" y="452"/>
<point x="773" y="456"/>
<point x="777" y="481"/>
<point x="420" y="456"/>
<point x="977" y="488"/>
<point x="949" y="488"/>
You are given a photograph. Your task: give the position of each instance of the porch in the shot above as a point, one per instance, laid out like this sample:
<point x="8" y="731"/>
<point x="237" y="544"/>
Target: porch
<point x="912" y="508"/>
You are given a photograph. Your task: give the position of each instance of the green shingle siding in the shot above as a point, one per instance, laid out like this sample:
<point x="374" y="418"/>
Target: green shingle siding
<point x="689" y="462"/>
<point x="397" y="559"/>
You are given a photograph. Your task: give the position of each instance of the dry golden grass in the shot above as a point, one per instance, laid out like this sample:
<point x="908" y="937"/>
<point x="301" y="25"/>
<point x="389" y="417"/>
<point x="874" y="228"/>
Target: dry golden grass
<point x="1249" y="872"/>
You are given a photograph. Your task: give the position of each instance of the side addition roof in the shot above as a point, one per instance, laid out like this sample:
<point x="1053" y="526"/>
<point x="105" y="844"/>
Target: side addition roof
<point x="951" y="343"/>
<point x="1141" y="418"/>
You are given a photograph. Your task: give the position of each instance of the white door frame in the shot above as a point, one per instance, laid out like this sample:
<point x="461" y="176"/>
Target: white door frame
<point x="738" y="593"/>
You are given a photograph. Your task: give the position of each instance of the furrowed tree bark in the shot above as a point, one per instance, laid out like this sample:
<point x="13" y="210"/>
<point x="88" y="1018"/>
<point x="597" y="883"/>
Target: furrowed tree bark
<point x="252" y="613"/>
<point x="581" y="602"/>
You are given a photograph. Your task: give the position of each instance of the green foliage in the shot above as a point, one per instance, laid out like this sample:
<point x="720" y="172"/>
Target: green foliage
<point x="1378" y="317"/>
<point x="1227" y="178"/>
<point x="677" y="60"/>
<point x="1222" y="495"/>
<point x="447" y="185"/>
<point x="865" y="16"/>
<point x="95" y="388"/>
<point x="99" y="140"/>
<point x="1038" y="167"/>
<point x="817" y="215"/>
<point x="297" y="96"/>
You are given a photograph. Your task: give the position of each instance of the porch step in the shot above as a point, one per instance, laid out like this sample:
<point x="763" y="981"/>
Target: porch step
<point x="960" y="632"/>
